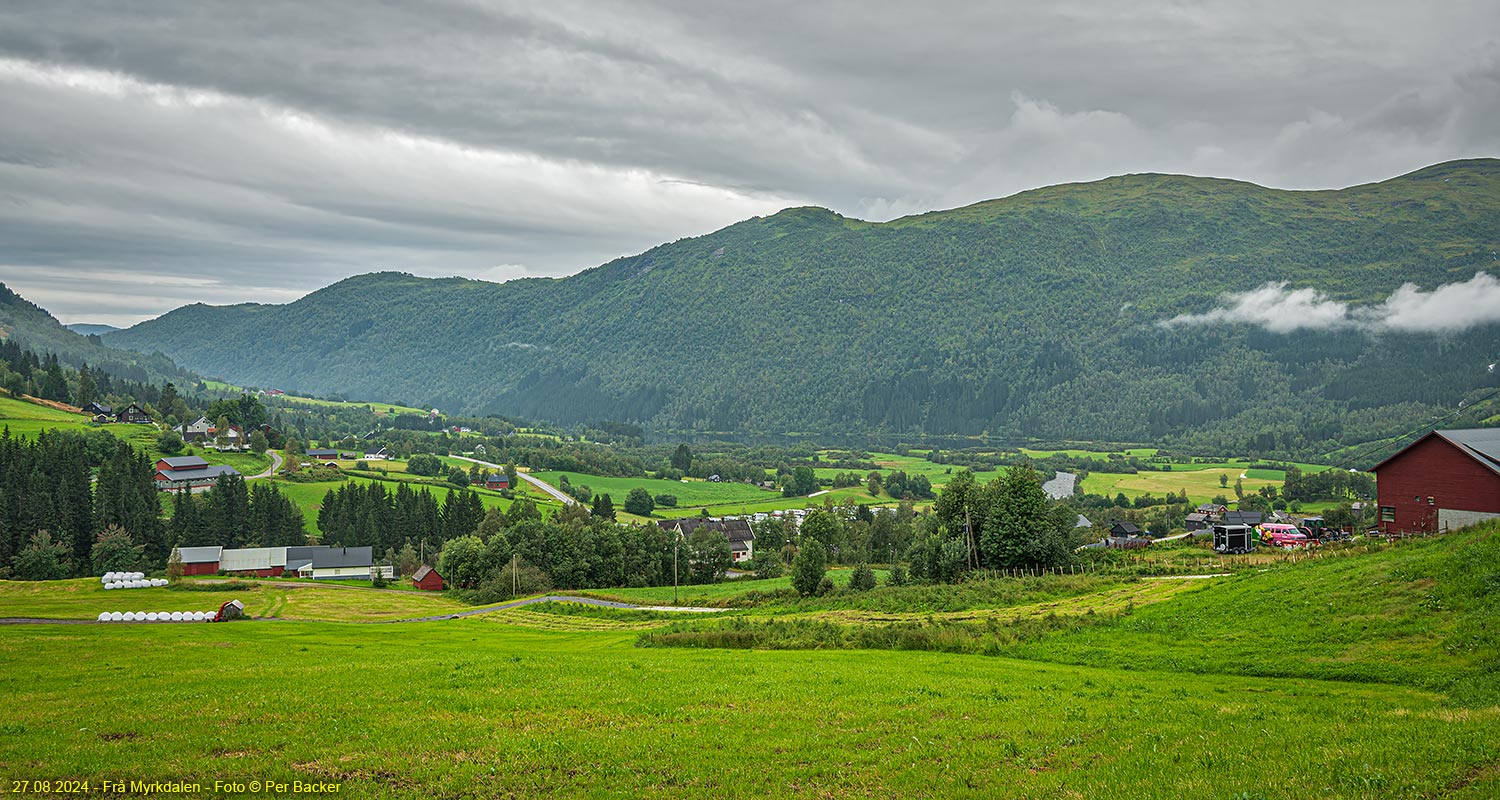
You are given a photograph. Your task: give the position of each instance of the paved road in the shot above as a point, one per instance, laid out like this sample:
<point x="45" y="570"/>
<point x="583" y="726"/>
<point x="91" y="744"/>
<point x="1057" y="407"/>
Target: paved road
<point x="271" y="470"/>
<point x="537" y="482"/>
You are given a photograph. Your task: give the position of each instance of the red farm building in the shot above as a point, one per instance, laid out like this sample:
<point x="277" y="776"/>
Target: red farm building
<point x="427" y="579"/>
<point x="1442" y="481"/>
<point x="199" y="560"/>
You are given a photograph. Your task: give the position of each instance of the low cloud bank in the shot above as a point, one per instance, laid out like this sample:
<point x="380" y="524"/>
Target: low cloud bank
<point x="1450" y="308"/>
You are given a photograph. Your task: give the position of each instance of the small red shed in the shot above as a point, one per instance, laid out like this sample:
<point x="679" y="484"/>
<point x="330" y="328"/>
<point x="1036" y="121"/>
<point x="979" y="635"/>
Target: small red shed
<point x="1442" y="481"/>
<point x="427" y="579"/>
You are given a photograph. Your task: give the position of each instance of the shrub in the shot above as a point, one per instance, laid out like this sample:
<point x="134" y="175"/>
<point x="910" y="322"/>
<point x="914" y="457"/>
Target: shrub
<point x="897" y="576"/>
<point x="863" y="579"/>
<point x="809" y="567"/>
<point x="666" y="500"/>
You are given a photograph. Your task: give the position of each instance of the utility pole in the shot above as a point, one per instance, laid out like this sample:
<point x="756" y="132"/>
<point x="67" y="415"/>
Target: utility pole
<point x="514" y="584"/>
<point x="675" y="539"/>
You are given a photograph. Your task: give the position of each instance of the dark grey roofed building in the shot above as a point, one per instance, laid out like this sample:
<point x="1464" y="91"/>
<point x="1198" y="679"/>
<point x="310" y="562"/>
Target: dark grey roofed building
<point x="299" y="557"/>
<point x="1251" y="518"/>
<point x="339" y="557"/>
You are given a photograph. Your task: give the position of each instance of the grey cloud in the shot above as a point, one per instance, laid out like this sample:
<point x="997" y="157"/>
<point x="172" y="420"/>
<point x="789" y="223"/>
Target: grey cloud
<point x="289" y="144"/>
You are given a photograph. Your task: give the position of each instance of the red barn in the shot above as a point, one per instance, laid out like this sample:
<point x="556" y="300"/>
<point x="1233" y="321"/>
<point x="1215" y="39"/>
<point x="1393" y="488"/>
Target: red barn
<point x="427" y="579"/>
<point x="1442" y="481"/>
<point x="199" y="560"/>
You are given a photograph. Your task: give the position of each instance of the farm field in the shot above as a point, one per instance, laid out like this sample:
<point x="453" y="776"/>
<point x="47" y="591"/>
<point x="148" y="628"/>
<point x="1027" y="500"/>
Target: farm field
<point x="378" y="408"/>
<point x="84" y="598"/>
<point x="1383" y="678"/>
<point x="28" y="419"/>
<point x="1201" y="485"/>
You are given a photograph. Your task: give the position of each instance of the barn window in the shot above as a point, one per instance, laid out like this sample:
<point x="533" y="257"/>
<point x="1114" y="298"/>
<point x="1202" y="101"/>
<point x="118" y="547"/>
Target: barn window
<point x="1387" y="513"/>
<point x="1430" y="502"/>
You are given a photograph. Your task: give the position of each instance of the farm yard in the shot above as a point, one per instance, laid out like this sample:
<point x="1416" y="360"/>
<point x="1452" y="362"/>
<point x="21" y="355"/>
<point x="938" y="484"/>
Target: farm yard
<point x="1379" y="669"/>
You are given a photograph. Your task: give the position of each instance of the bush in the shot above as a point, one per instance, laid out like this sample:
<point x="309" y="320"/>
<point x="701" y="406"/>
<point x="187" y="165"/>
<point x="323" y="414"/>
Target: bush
<point x="424" y="464"/>
<point x="825" y="586"/>
<point x="638" y="502"/>
<point x="863" y="579"/>
<point x="897" y="576"/>
<point x="666" y="500"/>
<point x="809" y="567"/>
<point x="170" y="443"/>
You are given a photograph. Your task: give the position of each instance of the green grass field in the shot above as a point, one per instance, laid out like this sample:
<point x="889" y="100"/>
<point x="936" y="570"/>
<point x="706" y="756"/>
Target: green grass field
<point x="1372" y="674"/>
<point x="29" y="419"/>
<point x="378" y="408"/>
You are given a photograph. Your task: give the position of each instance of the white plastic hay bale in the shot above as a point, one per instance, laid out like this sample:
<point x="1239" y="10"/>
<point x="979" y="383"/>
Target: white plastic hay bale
<point x="150" y="616"/>
<point x="115" y="616"/>
<point x="129" y="616"/>
<point x="137" y="584"/>
<point x="138" y="575"/>
<point x="158" y="581"/>
<point x="109" y="586"/>
<point x="176" y="616"/>
<point x="103" y="616"/>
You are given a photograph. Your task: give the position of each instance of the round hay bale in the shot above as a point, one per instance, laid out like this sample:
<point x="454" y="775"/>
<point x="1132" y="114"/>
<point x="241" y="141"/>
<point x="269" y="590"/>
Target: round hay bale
<point x="103" y="616"/>
<point x="115" y="616"/>
<point x="150" y="616"/>
<point x="176" y="616"/>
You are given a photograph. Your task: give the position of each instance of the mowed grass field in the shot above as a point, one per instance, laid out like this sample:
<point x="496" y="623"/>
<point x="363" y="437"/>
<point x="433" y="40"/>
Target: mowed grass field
<point x="28" y="419"/>
<point x="84" y="598"/>
<point x="1370" y="675"/>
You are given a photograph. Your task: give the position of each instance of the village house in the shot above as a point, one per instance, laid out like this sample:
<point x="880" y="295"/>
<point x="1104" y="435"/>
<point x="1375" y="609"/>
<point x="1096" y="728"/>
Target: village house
<point x="1442" y="481"/>
<point x="96" y="409"/>
<point x="496" y="481"/>
<point x="381" y="454"/>
<point x="133" y="415"/>
<point x="737" y="531"/>
<point x="196" y="431"/>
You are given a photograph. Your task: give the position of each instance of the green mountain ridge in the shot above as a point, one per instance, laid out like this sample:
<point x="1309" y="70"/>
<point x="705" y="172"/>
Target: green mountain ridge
<point x="34" y="328"/>
<point x="1032" y="316"/>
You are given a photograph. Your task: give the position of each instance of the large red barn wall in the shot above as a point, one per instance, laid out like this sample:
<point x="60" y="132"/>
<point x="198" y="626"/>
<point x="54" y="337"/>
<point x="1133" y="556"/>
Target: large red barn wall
<point x="1434" y="468"/>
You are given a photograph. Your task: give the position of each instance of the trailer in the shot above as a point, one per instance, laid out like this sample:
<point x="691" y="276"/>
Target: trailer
<point x="1233" y="539"/>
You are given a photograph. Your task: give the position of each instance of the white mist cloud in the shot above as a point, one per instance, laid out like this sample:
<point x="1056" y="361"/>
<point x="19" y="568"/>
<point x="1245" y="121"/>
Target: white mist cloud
<point x="1450" y="308"/>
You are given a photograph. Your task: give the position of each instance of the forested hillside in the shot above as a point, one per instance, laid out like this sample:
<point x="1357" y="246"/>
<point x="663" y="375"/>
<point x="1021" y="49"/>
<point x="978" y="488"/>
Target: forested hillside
<point x="31" y="327"/>
<point x="1035" y="316"/>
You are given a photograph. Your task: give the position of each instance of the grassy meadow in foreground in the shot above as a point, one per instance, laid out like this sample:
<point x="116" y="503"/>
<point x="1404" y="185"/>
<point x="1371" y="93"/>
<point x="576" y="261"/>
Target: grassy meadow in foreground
<point x="468" y="707"/>
<point x="1370" y="674"/>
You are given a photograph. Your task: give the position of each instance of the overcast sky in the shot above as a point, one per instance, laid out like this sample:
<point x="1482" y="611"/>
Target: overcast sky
<point x="156" y="154"/>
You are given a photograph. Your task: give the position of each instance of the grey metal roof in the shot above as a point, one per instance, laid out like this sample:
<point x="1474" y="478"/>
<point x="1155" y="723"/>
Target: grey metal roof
<point x="199" y="555"/>
<point x="1481" y="443"/>
<point x="204" y="473"/>
<point x="422" y="572"/>
<point x="335" y="557"/>
<point x="184" y="462"/>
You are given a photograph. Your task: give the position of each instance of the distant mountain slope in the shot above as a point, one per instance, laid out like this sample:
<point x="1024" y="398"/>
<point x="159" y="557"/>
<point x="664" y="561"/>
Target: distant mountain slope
<point x="34" y="328"/>
<point x="1029" y="316"/>
<point x="90" y="328"/>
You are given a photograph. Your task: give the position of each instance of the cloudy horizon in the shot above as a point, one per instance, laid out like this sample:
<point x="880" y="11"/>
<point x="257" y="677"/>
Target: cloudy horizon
<point x="162" y="154"/>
